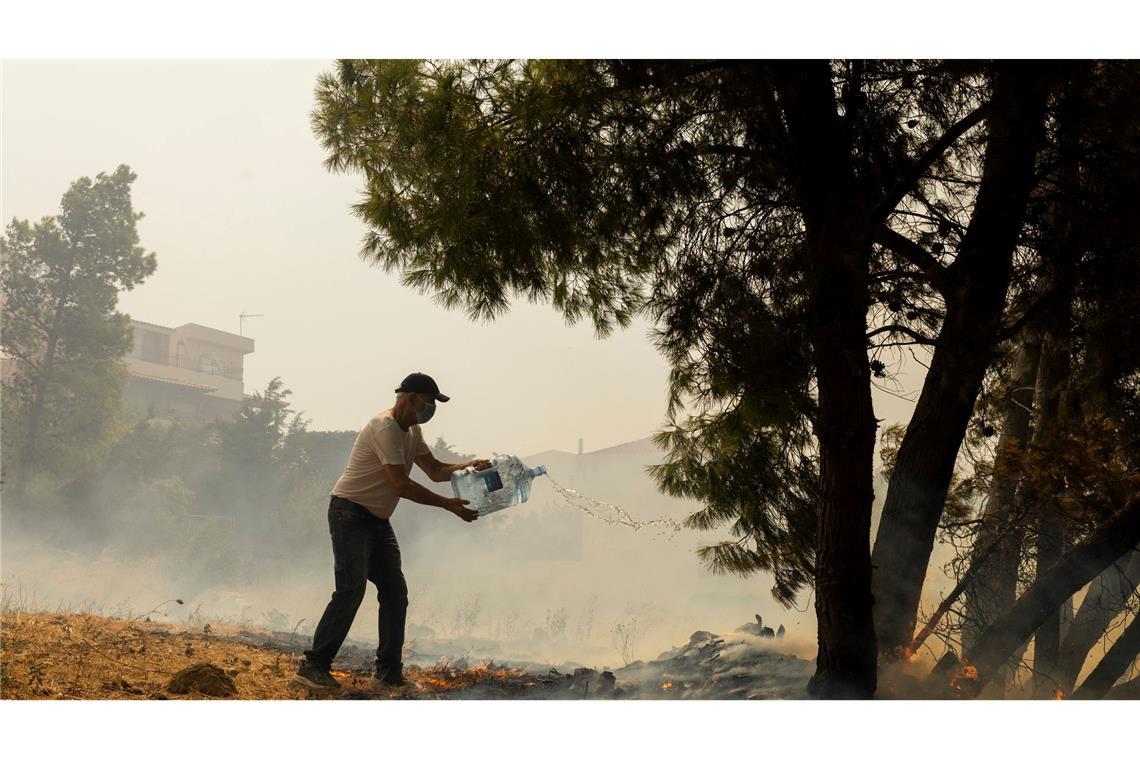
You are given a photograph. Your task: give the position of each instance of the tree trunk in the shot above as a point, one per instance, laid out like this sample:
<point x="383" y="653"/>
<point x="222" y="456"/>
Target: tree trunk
<point x="1047" y="639"/>
<point x="838" y="248"/>
<point x="1106" y="596"/>
<point x="979" y="280"/>
<point x="1056" y="400"/>
<point x="994" y="590"/>
<point x="28" y="451"/>
<point x="1104" y="546"/>
<point x="1115" y="663"/>
<point x="846" y="665"/>
<point x="1052" y="378"/>
<point x="1126" y="690"/>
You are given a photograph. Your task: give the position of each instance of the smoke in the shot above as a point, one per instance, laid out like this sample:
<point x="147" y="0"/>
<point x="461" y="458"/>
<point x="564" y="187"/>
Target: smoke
<point x="539" y="582"/>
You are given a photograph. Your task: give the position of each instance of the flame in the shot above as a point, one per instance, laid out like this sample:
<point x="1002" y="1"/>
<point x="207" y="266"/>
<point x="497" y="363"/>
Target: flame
<point x="666" y="686"/>
<point x="1058" y="694"/>
<point x="966" y="681"/>
<point x="444" y="678"/>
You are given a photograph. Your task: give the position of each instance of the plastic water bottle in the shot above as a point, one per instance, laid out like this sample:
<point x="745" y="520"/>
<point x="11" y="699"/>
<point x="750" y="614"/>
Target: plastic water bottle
<point x="504" y="484"/>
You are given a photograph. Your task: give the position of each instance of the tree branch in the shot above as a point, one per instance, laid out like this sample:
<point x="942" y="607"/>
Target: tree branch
<point x="723" y="149"/>
<point x="959" y="588"/>
<point x="1113" y="665"/>
<point x="912" y="252"/>
<point x="15" y="353"/>
<point x="1115" y="537"/>
<point x="924" y="162"/>
<point x="917" y="337"/>
<point x="937" y="214"/>
<point x="1034" y="310"/>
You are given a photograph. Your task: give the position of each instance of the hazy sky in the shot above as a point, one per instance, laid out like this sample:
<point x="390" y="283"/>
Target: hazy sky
<point x="243" y="217"/>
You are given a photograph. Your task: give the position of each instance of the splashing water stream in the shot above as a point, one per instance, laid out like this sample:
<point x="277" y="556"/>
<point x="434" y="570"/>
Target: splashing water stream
<point x="612" y="513"/>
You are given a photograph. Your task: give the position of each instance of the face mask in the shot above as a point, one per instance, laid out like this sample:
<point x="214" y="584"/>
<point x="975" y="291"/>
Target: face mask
<point x="425" y="414"/>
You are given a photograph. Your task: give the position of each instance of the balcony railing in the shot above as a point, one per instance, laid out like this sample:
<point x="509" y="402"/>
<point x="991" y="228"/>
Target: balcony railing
<point x="182" y="361"/>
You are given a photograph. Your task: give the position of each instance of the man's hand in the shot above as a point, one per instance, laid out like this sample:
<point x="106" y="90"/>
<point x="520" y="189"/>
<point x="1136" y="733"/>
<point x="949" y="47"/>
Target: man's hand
<point x="458" y="507"/>
<point x="479" y="464"/>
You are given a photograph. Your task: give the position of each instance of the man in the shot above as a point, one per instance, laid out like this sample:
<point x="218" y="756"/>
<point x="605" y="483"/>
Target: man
<point x="364" y="546"/>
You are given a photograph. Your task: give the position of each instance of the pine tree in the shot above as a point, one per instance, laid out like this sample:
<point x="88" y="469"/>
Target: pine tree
<point x="60" y="281"/>
<point x="753" y="211"/>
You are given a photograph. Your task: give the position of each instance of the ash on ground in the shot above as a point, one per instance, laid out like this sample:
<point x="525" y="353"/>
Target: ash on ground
<point x="740" y="666"/>
<point x="746" y="664"/>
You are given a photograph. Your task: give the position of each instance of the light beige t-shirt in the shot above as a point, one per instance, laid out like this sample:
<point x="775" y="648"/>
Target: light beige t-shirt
<point x="381" y="442"/>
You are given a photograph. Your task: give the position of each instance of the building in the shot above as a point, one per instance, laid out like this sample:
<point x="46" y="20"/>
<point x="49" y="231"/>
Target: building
<point x="190" y="373"/>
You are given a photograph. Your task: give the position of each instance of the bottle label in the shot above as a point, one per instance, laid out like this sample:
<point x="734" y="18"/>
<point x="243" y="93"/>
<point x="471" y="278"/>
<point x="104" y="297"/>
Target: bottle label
<point x="493" y="481"/>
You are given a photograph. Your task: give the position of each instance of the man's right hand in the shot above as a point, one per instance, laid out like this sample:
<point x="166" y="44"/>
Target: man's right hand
<point x="458" y="507"/>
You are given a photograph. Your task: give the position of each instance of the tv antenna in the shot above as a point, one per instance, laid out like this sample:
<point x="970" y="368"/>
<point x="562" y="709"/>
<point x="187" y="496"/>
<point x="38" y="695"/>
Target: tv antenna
<point x="243" y="317"/>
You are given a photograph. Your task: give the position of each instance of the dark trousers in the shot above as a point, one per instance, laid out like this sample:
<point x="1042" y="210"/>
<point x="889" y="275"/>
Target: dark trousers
<point x="364" y="549"/>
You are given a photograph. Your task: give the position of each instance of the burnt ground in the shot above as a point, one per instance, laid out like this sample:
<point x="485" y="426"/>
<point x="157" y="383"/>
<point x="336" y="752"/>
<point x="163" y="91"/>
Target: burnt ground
<point x="83" y="656"/>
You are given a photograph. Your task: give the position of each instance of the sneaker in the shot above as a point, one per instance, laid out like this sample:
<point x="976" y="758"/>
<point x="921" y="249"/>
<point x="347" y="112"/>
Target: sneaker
<point x="315" y="677"/>
<point x="390" y="676"/>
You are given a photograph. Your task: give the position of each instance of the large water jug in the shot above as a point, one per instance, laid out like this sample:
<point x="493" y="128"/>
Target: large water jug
<point x="504" y="484"/>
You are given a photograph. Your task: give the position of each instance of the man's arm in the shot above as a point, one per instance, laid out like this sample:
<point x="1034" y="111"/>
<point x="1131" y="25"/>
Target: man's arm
<point x="440" y="472"/>
<point x="406" y="488"/>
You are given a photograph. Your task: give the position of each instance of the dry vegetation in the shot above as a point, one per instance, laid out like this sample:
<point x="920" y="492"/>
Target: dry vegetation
<point x="83" y="656"/>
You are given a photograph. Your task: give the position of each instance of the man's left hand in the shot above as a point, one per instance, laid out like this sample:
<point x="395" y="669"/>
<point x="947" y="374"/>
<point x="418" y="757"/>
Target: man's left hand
<point x="480" y="464"/>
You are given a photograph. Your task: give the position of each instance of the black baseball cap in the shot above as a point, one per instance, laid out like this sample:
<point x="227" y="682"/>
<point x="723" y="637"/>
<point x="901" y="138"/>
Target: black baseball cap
<point x="418" y="382"/>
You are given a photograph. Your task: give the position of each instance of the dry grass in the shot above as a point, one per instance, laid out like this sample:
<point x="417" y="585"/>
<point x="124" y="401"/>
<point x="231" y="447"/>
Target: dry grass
<point x="84" y="656"/>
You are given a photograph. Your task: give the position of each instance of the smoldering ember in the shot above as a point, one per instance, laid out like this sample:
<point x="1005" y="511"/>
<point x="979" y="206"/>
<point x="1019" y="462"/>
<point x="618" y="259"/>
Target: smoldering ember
<point x="571" y="379"/>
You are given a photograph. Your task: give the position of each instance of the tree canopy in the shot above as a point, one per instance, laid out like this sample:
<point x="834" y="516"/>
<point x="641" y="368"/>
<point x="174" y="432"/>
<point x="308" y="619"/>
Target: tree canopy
<point x="60" y="279"/>
<point x="790" y="228"/>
